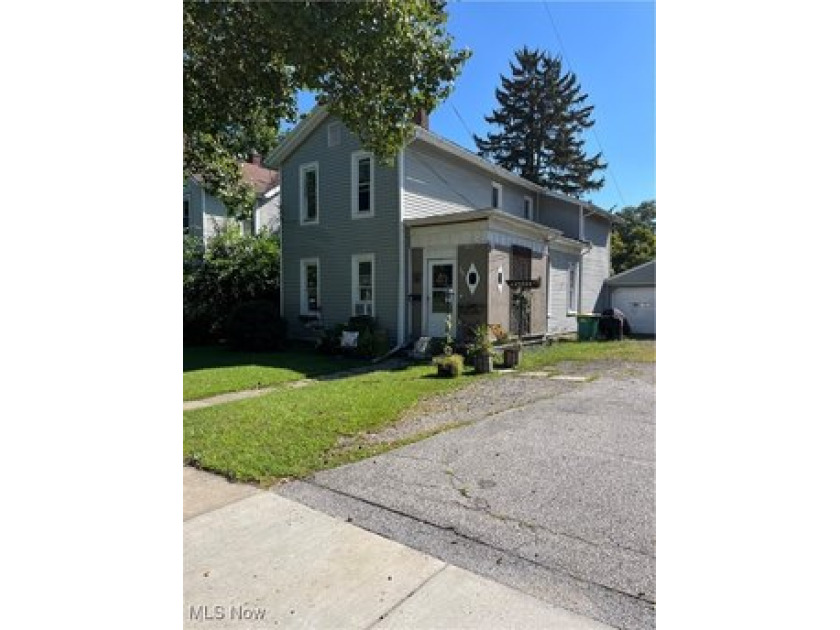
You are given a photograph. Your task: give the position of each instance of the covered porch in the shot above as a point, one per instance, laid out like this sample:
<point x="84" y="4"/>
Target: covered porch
<point x="459" y="266"/>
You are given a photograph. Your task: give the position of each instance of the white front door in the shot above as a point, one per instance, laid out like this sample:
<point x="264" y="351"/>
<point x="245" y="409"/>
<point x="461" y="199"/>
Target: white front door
<point x="439" y="296"/>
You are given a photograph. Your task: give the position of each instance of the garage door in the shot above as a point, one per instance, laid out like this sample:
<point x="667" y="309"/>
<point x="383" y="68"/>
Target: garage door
<point x="639" y="305"/>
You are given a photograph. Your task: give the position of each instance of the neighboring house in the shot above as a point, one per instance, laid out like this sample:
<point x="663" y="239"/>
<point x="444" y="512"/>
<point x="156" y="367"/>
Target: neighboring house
<point x="633" y="292"/>
<point x="204" y="214"/>
<point x="438" y="232"/>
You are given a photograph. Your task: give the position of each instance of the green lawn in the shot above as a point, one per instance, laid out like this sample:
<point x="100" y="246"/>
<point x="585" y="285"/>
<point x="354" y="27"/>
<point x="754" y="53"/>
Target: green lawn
<point x="294" y="432"/>
<point x="212" y="370"/>
<point x="290" y="432"/>
<point x="627" y="350"/>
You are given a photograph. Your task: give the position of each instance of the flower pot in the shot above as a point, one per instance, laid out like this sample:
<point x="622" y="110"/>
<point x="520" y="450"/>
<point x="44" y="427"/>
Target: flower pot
<point x="511" y="357"/>
<point x="483" y="363"/>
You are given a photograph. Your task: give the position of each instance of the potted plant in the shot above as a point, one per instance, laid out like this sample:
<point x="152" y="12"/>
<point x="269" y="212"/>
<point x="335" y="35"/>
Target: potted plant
<point x="449" y="364"/>
<point x="482" y="350"/>
<point x="511" y="354"/>
<point x="510" y="349"/>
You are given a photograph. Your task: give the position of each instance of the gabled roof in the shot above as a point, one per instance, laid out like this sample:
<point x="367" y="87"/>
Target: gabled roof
<point x="644" y="274"/>
<point x="295" y="137"/>
<point x="262" y="179"/>
<point x="458" y="151"/>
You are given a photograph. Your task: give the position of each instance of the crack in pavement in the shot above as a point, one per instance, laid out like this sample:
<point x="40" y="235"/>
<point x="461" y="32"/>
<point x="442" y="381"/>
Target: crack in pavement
<point x="505" y="552"/>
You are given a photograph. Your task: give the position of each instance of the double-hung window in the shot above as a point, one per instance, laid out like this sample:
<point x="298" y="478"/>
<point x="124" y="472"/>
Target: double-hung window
<point x="186" y="215"/>
<point x="363" y="284"/>
<point x="496" y="196"/>
<point x="310" y="286"/>
<point x="527" y="208"/>
<point x="309" y="210"/>
<point x="572" y="300"/>
<point x="362" y="201"/>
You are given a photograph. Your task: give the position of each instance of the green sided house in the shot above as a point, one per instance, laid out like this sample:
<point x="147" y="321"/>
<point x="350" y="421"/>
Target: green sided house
<point x="440" y="232"/>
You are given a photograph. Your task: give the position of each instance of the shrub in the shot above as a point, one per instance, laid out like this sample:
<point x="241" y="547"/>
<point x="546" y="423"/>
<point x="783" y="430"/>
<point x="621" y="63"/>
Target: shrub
<point x="364" y="345"/>
<point x="371" y="342"/>
<point x="330" y="341"/>
<point x="231" y="270"/>
<point x="451" y="365"/>
<point x="380" y="343"/>
<point x="362" y="322"/>
<point x="257" y="326"/>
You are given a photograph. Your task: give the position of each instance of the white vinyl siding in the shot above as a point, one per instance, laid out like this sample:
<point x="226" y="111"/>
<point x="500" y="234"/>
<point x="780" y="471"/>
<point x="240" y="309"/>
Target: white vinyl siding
<point x="362" y="202"/>
<point x="437" y="183"/>
<point x="310" y="286"/>
<point x="363" y="299"/>
<point x="309" y="202"/>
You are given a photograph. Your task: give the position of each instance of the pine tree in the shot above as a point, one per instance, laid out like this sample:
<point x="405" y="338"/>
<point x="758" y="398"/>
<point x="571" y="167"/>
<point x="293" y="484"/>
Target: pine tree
<point x="542" y="114"/>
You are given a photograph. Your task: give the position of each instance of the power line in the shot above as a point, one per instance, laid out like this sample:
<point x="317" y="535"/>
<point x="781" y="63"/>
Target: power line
<point x="463" y="122"/>
<point x="610" y="171"/>
<point x="445" y="181"/>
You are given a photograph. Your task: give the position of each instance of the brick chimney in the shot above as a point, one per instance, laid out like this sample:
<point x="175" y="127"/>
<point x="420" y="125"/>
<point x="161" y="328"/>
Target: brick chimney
<point x="256" y="158"/>
<point x="422" y="118"/>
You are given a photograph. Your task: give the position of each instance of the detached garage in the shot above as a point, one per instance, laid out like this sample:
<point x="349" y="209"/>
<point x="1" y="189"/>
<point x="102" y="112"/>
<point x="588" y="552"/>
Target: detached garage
<point x="633" y="292"/>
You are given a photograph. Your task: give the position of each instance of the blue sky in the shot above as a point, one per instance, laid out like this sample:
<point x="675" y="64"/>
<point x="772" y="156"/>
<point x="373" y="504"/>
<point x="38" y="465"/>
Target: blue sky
<point x="611" y="48"/>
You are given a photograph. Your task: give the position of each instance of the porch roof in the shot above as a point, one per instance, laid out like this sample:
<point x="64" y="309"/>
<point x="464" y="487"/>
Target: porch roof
<point x="492" y="215"/>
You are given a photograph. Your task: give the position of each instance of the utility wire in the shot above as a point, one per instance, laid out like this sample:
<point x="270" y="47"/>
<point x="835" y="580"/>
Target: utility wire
<point x="594" y="130"/>
<point x="463" y="122"/>
<point x="446" y="183"/>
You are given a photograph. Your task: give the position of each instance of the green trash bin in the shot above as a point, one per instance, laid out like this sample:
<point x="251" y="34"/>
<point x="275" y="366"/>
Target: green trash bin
<point x="588" y="327"/>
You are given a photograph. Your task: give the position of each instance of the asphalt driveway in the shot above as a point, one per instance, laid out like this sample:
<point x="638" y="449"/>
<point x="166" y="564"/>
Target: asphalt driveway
<point x="555" y="498"/>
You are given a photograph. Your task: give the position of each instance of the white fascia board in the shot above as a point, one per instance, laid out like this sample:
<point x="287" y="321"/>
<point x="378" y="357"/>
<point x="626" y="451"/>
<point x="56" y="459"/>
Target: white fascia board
<point x="464" y="154"/>
<point x="295" y="137"/>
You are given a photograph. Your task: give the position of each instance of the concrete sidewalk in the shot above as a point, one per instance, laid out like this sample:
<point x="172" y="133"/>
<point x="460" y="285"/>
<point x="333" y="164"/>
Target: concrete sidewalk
<point x="255" y="559"/>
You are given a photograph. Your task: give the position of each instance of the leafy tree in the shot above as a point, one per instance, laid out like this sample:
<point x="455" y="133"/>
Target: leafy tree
<point x="542" y="114"/>
<point x="634" y="236"/>
<point x="374" y="64"/>
<point x="232" y="270"/>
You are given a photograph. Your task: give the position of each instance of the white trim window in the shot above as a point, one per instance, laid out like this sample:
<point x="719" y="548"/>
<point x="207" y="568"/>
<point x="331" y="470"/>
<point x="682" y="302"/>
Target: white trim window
<point x="310" y="286"/>
<point x="496" y="196"/>
<point x="528" y="208"/>
<point x="333" y="134"/>
<point x="364" y="269"/>
<point x="309" y="195"/>
<point x="572" y="297"/>
<point x="363" y="184"/>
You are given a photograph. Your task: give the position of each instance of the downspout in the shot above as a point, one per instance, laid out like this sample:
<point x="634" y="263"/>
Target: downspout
<point x="282" y="265"/>
<point x="203" y="217"/>
<point x="401" y="295"/>
<point x="587" y="248"/>
<point x="401" y="282"/>
<point x="583" y="252"/>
